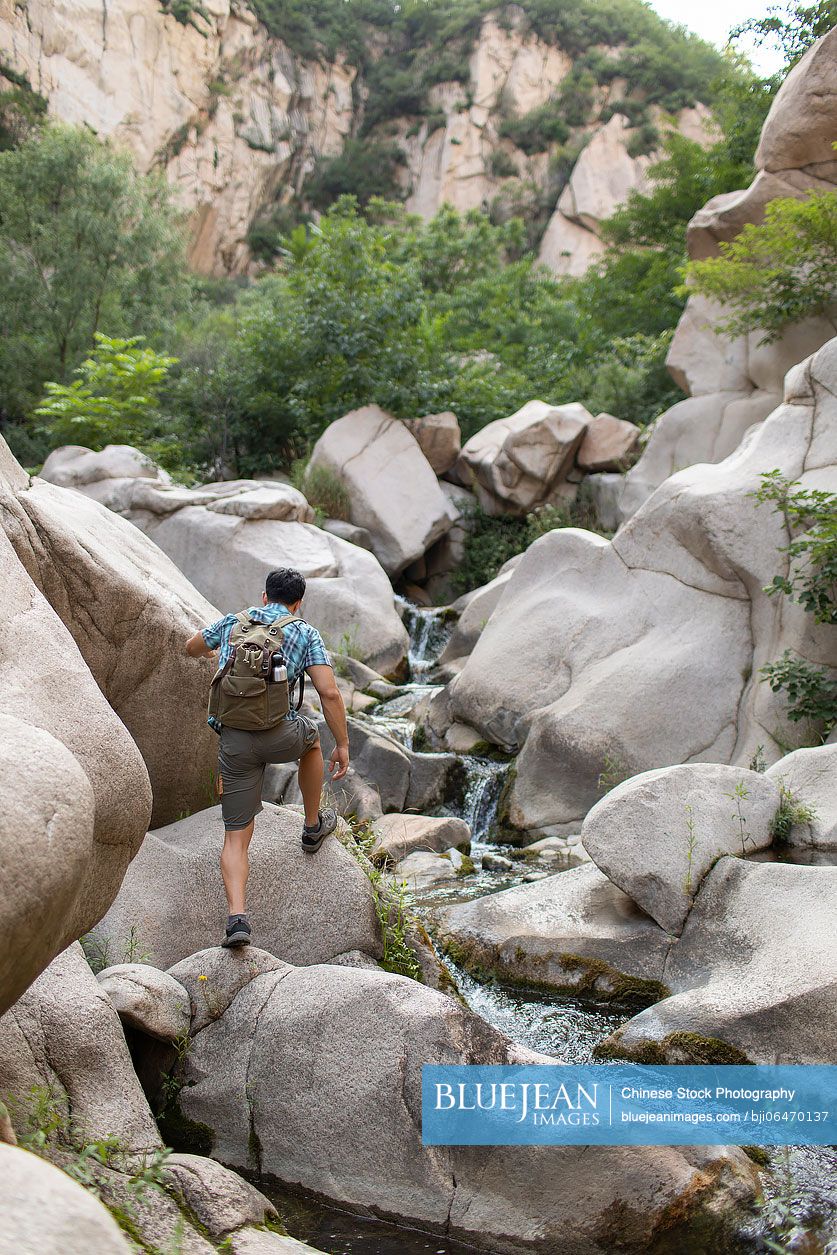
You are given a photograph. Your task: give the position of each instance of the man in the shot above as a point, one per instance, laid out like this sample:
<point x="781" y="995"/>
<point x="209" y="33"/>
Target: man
<point x="244" y="755"/>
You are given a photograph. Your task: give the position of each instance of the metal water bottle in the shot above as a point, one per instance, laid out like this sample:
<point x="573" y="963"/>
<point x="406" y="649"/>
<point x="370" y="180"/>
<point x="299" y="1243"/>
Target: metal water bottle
<point x="278" y="671"/>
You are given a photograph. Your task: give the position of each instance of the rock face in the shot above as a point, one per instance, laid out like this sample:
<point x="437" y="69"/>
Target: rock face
<point x="304" y="910"/>
<point x="225" y="537"/>
<point x="517" y="463"/>
<point x="237" y="119"/>
<point x="74" y="789"/>
<point x="318" y="1132"/>
<point x="44" y="1210"/>
<point x="733" y="384"/>
<point x="755" y="968"/>
<point x="393" y="489"/>
<point x="645" y="651"/>
<point x="147" y="998"/>
<point x="658" y="834"/>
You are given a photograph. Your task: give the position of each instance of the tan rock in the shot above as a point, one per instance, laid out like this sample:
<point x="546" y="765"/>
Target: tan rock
<point x="799" y="129"/>
<point x="400" y="835"/>
<point x="439" y="439"/>
<point x="604" y="175"/>
<point x="45" y="1210"/>
<point x="74" y="792"/>
<point x="517" y="463"/>
<point x="608" y="444"/>
<point x="568" y="248"/>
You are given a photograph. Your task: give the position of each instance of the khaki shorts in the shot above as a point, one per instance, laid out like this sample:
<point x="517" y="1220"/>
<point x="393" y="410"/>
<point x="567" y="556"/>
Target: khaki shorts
<point x="243" y="757"/>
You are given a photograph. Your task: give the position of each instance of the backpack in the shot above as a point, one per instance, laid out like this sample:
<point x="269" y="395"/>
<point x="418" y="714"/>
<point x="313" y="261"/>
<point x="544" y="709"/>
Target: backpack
<point x="243" y="693"/>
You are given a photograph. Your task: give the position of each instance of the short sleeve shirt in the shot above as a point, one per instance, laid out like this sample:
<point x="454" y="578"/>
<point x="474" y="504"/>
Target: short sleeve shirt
<point x="302" y="644"/>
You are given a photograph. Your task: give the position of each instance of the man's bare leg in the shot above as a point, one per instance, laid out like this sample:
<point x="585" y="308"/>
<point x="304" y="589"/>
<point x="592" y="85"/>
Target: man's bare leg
<point x="311" y="783"/>
<point x="235" y="867"/>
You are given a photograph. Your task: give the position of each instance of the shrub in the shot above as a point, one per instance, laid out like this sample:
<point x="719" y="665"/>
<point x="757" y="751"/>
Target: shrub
<point x="323" y="489"/>
<point x="811" y="692"/>
<point x="364" y="169"/>
<point x="503" y="165"/>
<point x="778" y="272"/>
<point x="534" y="131"/>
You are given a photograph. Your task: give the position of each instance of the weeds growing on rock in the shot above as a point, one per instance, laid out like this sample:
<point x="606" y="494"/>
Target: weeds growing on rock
<point x="392" y="902"/>
<point x="691" y="842"/>
<point x="791" y="813"/>
<point x="740" y="794"/>
<point x="612" y="773"/>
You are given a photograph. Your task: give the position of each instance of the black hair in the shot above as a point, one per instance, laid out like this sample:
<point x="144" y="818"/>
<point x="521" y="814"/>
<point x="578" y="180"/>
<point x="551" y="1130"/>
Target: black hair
<point x="285" y="586"/>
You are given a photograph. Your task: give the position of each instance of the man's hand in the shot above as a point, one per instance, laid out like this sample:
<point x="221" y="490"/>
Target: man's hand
<point x="196" y="647"/>
<point x="338" y="764"/>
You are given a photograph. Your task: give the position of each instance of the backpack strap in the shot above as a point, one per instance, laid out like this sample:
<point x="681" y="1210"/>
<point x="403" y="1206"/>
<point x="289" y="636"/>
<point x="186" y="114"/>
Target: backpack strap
<point x="300" y="679"/>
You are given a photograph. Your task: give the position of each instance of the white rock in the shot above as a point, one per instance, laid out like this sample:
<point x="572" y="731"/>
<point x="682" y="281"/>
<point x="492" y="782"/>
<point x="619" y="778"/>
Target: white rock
<point x="810" y="776"/>
<point x="439" y="439"/>
<point x="731" y="972"/>
<point x="517" y="463"/>
<point x="74" y="466"/>
<point x="44" y="1210"/>
<point x="658" y="834"/>
<point x="422" y="870"/>
<point x="393" y="490"/>
<point x="148" y="999"/>
<point x="400" y="835"/>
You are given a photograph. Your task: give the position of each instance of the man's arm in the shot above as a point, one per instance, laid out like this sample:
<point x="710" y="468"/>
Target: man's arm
<point x="322" y="677"/>
<point x="196" y="647"/>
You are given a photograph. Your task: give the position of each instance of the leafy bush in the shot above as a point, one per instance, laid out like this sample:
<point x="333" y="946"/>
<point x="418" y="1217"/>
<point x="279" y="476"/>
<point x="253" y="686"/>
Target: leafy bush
<point x="114" y="399"/>
<point x="503" y="164"/>
<point x="323" y="490"/>
<point x="778" y="272"/>
<point x="812" y="582"/>
<point x="363" y="170"/>
<point x="533" y="132"/>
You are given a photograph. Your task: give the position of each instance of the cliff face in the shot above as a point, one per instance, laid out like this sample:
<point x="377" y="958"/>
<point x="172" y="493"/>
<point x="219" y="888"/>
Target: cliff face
<point x="238" y="121"/>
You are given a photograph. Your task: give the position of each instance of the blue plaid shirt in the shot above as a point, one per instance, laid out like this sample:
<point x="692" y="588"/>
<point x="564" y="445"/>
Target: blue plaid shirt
<point x="302" y="644"/>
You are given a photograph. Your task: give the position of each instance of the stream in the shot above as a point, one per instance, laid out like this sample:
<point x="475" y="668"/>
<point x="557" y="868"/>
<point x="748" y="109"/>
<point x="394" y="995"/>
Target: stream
<point x="799" y="1185"/>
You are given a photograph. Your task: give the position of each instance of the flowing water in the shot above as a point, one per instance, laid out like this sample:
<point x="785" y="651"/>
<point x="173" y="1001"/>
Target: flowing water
<point x="801" y="1184"/>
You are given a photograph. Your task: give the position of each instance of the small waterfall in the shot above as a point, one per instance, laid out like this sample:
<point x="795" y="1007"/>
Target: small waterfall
<point x="429" y="631"/>
<point x="484" y="784"/>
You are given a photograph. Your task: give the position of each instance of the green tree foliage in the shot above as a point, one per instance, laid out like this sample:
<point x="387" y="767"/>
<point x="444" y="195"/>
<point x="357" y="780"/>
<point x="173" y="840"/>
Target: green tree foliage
<point x="778" y="272"/>
<point x="811" y="519"/>
<point x="363" y="170"/>
<point x="792" y="28"/>
<point x="22" y="110"/>
<point x="113" y="399"/>
<point x="85" y="244"/>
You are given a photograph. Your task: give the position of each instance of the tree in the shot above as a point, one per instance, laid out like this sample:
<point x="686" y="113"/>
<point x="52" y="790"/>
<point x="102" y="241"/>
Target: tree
<point x="85" y="243"/>
<point x="114" y="399"/>
<point x="778" y="272"/>
<point x="791" y="27"/>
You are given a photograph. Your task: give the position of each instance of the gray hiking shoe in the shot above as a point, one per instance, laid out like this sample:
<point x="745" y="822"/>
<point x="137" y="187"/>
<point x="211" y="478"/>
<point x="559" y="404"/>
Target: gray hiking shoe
<point x="312" y="838"/>
<point x="237" y="934"/>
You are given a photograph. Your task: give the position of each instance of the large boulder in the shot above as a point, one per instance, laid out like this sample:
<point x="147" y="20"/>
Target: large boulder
<point x="658" y="834"/>
<point x="608" y="445"/>
<point x="439" y="439"/>
<point x="515" y="464"/>
<point x="63" y="1037"/>
<point x="400" y="835"/>
<point x="303" y="909"/>
<point x="66" y="1068"/>
<point x="794" y="158"/>
<point x="392" y="487"/>
<point x="146" y="998"/>
<point x="74" y="791"/>
<point x="357" y="1139"/>
<point x="755" y="972"/>
<point x="808" y="778"/>
<point x="573" y="932"/>
<point x="130" y="611"/>
<point x="74" y="466"/>
<point x="225" y="536"/>
<point x="646" y="651"/>
<point x="42" y="1209"/>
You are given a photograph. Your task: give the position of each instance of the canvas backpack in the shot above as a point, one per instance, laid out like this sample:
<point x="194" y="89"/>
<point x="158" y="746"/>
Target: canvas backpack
<point x="243" y="693"/>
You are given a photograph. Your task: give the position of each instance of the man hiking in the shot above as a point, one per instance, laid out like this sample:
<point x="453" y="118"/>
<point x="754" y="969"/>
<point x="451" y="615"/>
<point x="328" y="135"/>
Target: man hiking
<point x="264" y="651"/>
